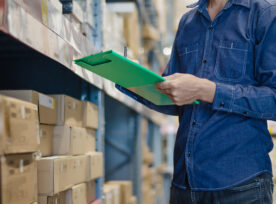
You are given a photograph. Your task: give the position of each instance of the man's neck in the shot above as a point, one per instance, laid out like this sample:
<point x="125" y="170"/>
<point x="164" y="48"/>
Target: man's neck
<point x="214" y="7"/>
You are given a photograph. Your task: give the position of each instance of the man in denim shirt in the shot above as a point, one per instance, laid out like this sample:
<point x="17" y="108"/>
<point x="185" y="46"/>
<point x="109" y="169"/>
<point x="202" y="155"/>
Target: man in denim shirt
<point x="224" y="55"/>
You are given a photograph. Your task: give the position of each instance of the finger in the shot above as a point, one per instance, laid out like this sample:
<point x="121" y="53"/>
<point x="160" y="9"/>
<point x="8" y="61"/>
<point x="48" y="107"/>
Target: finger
<point x="170" y="77"/>
<point x="165" y="91"/>
<point x="164" y="85"/>
<point x="172" y="99"/>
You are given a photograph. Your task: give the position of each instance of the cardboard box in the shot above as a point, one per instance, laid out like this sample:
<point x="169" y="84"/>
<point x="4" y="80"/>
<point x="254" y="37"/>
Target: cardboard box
<point x="76" y="195"/>
<point x="58" y="173"/>
<point x="51" y="14"/>
<point x="95" y="165"/>
<point x="90" y="140"/>
<point x="18" y="179"/>
<point x="148" y="195"/>
<point x="125" y="190"/>
<point x="46" y="104"/>
<point x="150" y="32"/>
<point x="53" y="175"/>
<point x="33" y="7"/>
<point x="89" y="14"/>
<point x="69" y="140"/>
<point x="90" y="191"/>
<point x="69" y="111"/>
<point x="132" y="33"/>
<point x="159" y="185"/>
<point x="97" y="202"/>
<point x="107" y="195"/>
<point x="114" y="190"/>
<point x="46" y="139"/>
<point x="133" y="200"/>
<point x="59" y="198"/>
<point x="90" y="115"/>
<point x="19" y="126"/>
<point x="78" y="12"/>
<point x="2" y="123"/>
<point x="78" y="169"/>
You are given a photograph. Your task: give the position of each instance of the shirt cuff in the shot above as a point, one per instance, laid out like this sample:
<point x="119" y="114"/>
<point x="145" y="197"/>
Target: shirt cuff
<point x="224" y="97"/>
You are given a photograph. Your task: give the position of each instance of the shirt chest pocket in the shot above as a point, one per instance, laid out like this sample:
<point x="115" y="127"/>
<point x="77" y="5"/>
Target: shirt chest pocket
<point x="231" y="61"/>
<point x="188" y="56"/>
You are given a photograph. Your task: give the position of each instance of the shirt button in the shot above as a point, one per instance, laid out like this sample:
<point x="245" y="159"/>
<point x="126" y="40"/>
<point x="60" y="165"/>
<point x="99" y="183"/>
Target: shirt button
<point x="194" y="123"/>
<point x="221" y="104"/>
<point x="204" y="61"/>
<point x="189" y="154"/>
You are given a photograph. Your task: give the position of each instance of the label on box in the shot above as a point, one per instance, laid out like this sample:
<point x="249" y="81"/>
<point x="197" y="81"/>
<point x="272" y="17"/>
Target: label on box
<point x="46" y="101"/>
<point x="44" y="10"/>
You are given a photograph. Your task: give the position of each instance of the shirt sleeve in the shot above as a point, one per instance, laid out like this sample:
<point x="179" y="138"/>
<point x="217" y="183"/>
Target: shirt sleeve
<point x="255" y="101"/>
<point x="171" y="68"/>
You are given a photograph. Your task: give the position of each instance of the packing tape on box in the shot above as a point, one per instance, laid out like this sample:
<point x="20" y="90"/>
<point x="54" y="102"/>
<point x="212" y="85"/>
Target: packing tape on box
<point x="61" y="167"/>
<point x="38" y="134"/>
<point x="1" y="123"/>
<point x="3" y="159"/>
<point x="21" y="165"/>
<point x="23" y="112"/>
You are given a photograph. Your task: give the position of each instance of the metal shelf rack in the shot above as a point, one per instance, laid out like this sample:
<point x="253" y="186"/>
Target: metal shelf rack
<point x="32" y="56"/>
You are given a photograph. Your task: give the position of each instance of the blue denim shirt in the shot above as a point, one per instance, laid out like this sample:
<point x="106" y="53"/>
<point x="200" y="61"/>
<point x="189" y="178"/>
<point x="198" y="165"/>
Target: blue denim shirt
<point x="225" y="143"/>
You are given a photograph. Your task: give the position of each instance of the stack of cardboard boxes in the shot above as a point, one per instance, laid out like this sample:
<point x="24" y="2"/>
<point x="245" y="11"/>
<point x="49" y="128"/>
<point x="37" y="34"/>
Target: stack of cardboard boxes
<point x="159" y="180"/>
<point x="272" y="155"/>
<point x="113" y="31"/>
<point x="118" y="192"/>
<point x="148" y="172"/>
<point x="69" y="163"/>
<point x="18" y="141"/>
<point x="132" y="35"/>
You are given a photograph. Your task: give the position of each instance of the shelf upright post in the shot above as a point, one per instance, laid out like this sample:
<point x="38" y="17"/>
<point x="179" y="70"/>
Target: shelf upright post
<point x="96" y="96"/>
<point x="157" y="145"/>
<point x="137" y="182"/>
<point x="98" y="7"/>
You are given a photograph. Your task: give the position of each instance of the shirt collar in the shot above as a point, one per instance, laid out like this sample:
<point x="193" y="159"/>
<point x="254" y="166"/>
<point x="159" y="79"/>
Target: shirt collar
<point x="244" y="3"/>
<point x="201" y="3"/>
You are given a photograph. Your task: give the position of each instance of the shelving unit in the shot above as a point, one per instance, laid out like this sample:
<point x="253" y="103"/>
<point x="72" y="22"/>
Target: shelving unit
<point x="35" y="57"/>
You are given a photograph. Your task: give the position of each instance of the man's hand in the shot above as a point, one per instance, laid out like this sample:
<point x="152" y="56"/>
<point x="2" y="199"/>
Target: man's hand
<point x="186" y="88"/>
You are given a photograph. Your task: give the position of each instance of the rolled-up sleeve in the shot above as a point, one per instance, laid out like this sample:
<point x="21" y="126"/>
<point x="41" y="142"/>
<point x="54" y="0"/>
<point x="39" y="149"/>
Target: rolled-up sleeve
<point x="255" y="101"/>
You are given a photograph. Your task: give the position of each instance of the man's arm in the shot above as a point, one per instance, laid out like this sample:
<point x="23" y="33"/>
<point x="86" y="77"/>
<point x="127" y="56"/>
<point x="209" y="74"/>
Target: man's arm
<point x="255" y="101"/>
<point x="252" y="101"/>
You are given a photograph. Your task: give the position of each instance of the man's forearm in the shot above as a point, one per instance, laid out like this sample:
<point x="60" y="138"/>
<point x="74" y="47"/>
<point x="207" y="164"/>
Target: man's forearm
<point x="207" y="90"/>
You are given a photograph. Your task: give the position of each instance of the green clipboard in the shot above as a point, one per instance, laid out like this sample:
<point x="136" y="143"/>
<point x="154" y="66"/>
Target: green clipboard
<point x="126" y="73"/>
